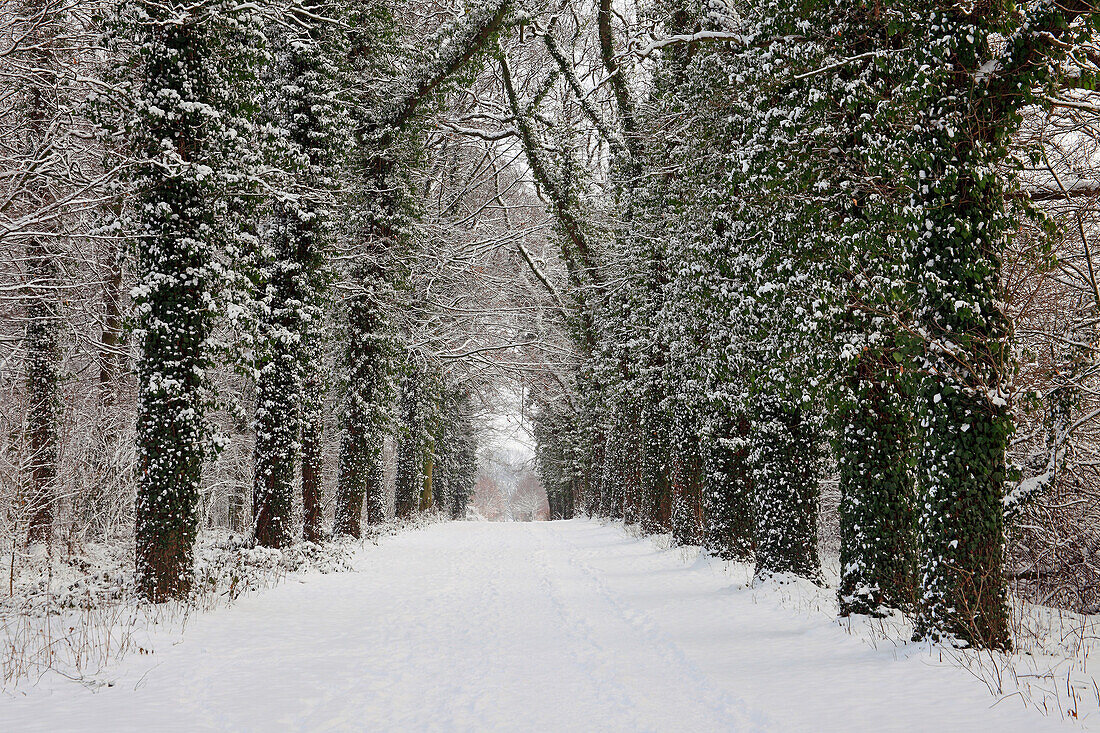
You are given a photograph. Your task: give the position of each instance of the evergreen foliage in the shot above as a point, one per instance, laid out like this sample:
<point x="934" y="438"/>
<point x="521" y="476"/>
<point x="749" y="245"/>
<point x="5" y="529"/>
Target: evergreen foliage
<point x="968" y="102"/>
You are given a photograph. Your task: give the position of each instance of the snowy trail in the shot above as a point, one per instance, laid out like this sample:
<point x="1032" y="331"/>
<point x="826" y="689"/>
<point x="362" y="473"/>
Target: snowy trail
<point x="546" y="626"/>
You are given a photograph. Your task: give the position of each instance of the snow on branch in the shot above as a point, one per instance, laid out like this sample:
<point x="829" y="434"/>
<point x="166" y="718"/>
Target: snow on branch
<point x="461" y="42"/>
<point x="739" y="39"/>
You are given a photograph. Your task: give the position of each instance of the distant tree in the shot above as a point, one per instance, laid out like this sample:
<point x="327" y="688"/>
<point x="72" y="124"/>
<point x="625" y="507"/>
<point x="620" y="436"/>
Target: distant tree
<point x="414" y="443"/>
<point x="456" y="459"/>
<point x="387" y="139"/>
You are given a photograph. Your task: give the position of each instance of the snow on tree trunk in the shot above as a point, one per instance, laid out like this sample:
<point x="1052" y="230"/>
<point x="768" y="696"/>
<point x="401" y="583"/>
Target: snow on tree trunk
<point x="363" y="413"/>
<point x="413" y="485"/>
<point x="969" y="99"/>
<point x="728" y="501"/>
<point x="193" y="64"/>
<point x="306" y="104"/>
<point x="877" y="500"/>
<point x="785" y="457"/>
<point x="313" y="428"/>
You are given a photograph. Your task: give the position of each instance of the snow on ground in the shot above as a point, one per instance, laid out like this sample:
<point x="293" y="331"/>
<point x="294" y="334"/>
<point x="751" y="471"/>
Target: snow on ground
<point x="543" y="626"/>
<point x="74" y="612"/>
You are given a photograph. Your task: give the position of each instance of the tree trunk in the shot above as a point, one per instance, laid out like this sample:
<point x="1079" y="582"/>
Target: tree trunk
<point x="877" y="497"/>
<point x="43" y="363"/>
<point x="786" y="463"/>
<point x="313" y="426"/>
<point x="278" y="411"/>
<point x="728" y="502"/>
<point x="369" y="364"/>
<point x="410" y="447"/>
<point x="427" y="499"/>
<point x="180" y="227"/>
<point x="43" y="376"/>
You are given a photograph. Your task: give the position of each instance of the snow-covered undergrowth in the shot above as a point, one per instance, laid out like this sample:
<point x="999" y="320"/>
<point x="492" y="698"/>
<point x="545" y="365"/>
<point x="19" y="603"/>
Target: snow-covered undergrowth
<point x="75" y="613"/>
<point x="1048" y="671"/>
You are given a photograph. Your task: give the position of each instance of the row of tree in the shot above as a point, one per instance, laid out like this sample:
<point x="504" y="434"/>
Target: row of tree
<point x="261" y="203"/>
<point x="795" y="268"/>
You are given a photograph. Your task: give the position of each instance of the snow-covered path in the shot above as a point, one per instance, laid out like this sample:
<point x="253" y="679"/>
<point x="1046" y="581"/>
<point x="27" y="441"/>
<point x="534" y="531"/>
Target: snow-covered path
<point x="532" y="627"/>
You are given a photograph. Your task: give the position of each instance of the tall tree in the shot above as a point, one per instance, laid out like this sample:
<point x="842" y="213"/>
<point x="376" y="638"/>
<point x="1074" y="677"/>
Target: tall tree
<point x="289" y="421"/>
<point x="969" y="92"/>
<point x="41" y="21"/>
<point x="191" y="64"/>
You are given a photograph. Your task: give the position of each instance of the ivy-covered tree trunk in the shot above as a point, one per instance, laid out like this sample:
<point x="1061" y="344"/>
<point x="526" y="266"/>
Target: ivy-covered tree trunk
<point x="972" y="84"/>
<point x="428" y="496"/>
<point x="555" y="430"/>
<point x="279" y="388"/>
<point x="956" y="258"/>
<point x="686" y="477"/>
<point x="964" y="419"/>
<point x="786" y="462"/>
<point x="193" y="88"/>
<point x="877" y="498"/>
<point x="174" y="258"/>
<point x="591" y="462"/>
<point x="456" y="448"/>
<point x="464" y="465"/>
<point x="729" y="523"/>
<point x="313" y="428"/>
<point x="278" y="409"/>
<point x="653" y="471"/>
<point x="430" y="393"/>
<point x="410" y="480"/>
<point x="363" y="417"/>
<point x="873" y="414"/>
<point x="307" y="107"/>
<point x="386" y="136"/>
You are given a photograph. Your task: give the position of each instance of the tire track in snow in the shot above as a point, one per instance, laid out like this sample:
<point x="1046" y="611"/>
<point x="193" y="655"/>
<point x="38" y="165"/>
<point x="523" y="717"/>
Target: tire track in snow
<point x="577" y="628"/>
<point x="646" y="639"/>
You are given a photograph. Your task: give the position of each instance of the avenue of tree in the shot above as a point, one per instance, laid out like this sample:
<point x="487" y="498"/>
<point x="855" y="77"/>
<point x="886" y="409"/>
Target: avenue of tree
<point x="767" y="275"/>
